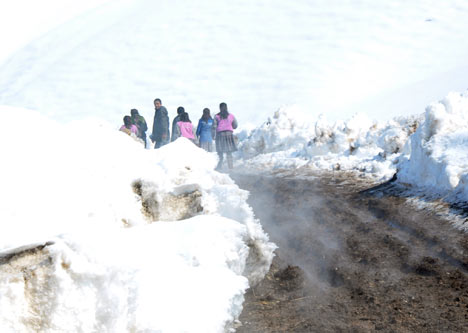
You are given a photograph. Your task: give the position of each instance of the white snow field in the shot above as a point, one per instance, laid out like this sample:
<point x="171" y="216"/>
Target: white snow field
<point x="329" y="57"/>
<point x="22" y="21"/>
<point x="145" y="240"/>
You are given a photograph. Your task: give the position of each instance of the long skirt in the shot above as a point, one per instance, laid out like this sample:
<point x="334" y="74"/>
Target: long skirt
<point x="207" y="145"/>
<point x="225" y="142"/>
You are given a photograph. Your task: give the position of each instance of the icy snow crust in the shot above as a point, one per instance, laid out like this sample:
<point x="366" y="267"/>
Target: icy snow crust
<point x="427" y="151"/>
<point x="140" y="240"/>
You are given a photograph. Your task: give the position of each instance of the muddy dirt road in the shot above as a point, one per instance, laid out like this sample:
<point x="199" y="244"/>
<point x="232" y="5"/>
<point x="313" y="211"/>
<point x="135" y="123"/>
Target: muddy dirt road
<point x="351" y="261"/>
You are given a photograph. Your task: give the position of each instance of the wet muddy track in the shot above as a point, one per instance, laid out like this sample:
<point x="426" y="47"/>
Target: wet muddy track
<point x="354" y="261"/>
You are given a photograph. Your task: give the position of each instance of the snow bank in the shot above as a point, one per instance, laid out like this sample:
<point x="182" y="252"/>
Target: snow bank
<point x="170" y="277"/>
<point x="428" y="151"/>
<point x="357" y="144"/>
<point x="436" y="159"/>
<point x="286" y="130"/>
<point x="100" y="234"/>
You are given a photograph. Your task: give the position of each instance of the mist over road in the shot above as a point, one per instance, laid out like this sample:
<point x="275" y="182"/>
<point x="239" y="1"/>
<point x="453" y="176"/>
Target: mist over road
<point x="353" y="261"/>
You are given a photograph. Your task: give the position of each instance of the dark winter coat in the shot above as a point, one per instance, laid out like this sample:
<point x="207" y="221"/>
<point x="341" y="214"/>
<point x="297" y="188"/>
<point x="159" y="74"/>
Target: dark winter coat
<point x="174" y="127"/>
<point x="140" y="122"/>
<point x="160" y="125"/>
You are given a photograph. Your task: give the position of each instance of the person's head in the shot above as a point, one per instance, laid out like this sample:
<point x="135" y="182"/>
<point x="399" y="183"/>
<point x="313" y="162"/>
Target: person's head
<point x="127" y="121"/>
<point x="184" y="117"/>
<point x="223" y="110"/>
<point x="206" y="114"/>
<point x="180" y="110"/>
<point x="157" y="103"/>
<point x="134" y="112"/>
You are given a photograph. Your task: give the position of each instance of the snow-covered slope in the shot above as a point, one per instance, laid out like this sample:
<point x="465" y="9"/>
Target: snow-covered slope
<point x="22" y="21"/>
<point x="253" y="55"/>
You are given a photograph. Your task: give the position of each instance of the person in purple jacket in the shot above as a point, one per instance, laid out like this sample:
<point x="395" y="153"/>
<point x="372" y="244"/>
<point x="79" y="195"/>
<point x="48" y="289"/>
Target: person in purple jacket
<point x="225" y="123"/>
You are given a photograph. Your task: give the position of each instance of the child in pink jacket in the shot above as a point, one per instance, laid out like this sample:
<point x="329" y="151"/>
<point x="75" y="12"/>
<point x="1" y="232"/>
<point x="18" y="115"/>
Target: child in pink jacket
<point x="128" y="127"/>
<point x="185" y="128"/>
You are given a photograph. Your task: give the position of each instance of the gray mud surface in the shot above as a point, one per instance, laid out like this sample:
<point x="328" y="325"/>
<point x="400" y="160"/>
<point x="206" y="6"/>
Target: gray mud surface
<point x="354" y="261"/>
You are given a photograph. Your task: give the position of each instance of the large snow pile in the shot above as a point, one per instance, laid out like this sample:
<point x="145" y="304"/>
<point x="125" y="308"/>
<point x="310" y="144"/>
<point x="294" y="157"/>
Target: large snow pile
<point x="357" y="144"/>
<point x="286" y="130"/>
<point x="99" y="234"/>
<point x="428" y="151"/>
<point x="437" y="157"/>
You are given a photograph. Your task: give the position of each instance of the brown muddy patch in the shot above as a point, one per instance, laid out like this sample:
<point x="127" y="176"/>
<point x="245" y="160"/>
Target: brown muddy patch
<point x="354" y="261"/>
<point x="31" y="269"/>
<point x="184" y="203"/>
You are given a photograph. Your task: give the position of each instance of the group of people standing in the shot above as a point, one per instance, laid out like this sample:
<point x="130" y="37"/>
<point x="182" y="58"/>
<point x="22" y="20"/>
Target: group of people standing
<point x="218" y="129"/>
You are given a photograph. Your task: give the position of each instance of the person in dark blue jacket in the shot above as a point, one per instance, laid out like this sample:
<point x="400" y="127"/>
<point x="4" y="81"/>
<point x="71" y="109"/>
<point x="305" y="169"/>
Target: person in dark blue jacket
<point x="205" y="130"/>
<point x="160" y="133"/>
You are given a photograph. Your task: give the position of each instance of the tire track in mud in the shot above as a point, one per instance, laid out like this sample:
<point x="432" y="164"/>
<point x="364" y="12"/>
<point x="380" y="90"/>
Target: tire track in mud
<point x="353" y="261"/>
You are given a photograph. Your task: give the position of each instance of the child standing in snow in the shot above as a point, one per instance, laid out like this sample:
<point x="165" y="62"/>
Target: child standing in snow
<point x="185" y="128"/>
<point x="225" y="124"/>
<point x="205" y="130"/>
<point x="140" y="122"/>
<point x="128" y="127"/>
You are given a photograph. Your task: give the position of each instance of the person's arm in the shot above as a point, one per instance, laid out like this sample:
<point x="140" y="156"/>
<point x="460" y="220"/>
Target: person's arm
<point x="197" y="133"/>
<point x="215" y="127"/>
<point x="176" y="132"/>
<point x="144" y="126"/>
<point x="194" y="133"/>
<point x="165" y="122"/>
<point x="234" y="122"/>
<point x="174" y="125"/>
<point x="213" y="130"/>
<point x="153" y="134"/>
